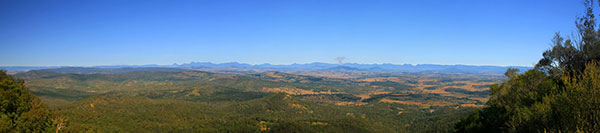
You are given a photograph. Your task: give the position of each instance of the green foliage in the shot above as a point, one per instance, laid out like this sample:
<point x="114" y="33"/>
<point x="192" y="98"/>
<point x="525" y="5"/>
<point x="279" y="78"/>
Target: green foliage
<point x="430" y="88"/>
<point x="21" y="111"/>
<point x="534" y="102"/>
<point x="578" y="105"/>
<point x="431" y="83"/>
<point x="560" y="95"/>
<point x="512" y="105"/>
<point x="571" y="55"/>
<point x="277" y="112"/>
<point x="194" y="101"/>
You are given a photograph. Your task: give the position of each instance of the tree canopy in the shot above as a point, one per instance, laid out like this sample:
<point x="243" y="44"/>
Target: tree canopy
<point x="560" y="94"/>
<point x="21" y="111"/>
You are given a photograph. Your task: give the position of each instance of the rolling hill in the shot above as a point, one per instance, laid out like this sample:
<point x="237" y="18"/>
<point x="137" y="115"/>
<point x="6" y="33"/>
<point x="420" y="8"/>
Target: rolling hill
<point x="127" y="99"/>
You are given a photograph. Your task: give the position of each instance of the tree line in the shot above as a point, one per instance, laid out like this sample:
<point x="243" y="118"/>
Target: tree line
<point x="562" y="93"/>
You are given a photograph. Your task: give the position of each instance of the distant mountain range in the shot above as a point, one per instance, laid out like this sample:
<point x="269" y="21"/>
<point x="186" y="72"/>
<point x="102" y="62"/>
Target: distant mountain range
<point x="235" y="66"/>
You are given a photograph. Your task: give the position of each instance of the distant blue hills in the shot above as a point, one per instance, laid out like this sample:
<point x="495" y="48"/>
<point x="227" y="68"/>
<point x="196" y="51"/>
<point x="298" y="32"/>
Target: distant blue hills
<point x="317" y="66"/>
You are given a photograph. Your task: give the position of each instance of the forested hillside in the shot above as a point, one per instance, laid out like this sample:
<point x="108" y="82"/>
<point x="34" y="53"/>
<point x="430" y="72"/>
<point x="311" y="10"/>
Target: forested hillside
<point x="209" y="102"/>
<point x="562" y="93"/>
<point x="21" y="111"/>
<point x="272" y="101"/>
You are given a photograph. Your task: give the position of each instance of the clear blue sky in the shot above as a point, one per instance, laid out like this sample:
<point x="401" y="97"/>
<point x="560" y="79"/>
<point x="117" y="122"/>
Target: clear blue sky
<point x="127" y="32"/>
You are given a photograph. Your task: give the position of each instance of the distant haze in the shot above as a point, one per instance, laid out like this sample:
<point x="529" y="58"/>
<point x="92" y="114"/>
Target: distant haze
<point x="248" y="68"/>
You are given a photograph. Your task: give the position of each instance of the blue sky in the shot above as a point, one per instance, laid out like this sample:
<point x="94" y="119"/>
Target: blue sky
<point x="103" y="32"/>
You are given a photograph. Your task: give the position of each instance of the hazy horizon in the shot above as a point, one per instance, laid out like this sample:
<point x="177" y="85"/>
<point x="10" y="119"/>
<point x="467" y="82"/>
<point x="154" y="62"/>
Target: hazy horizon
<point x="255" y="64"/>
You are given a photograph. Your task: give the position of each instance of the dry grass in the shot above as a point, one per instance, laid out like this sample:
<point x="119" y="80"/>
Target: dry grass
<point x="350" y="103"/>
<point x="272" y="74"/>
<point x="296" y="91"/>
<point x="263" y="126"/>
<point x="368" y="94"/>
<point x="436" y="91"/>
<point x="479" y="99"/>
<point x="405" y="102"/>
<point x="470" y="105"/>
<point x="319" y="123"/>
<point x="297" y="106"/>
<point x="195" y="92"/>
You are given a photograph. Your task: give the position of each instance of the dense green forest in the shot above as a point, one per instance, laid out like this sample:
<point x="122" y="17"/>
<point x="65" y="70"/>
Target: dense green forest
<point x="562" y="93"/>
<point x="275" y="112"/>
<point x="21" y="111"/>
